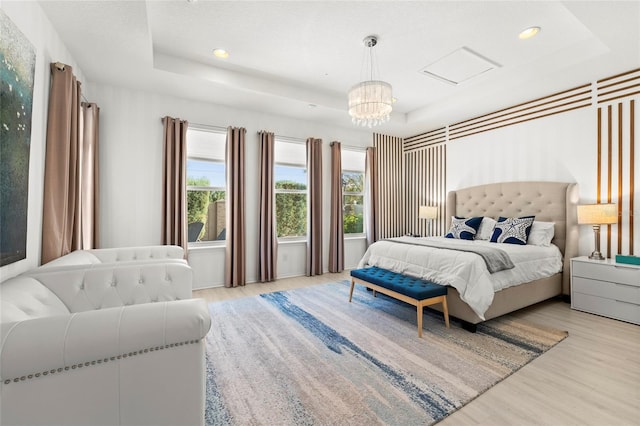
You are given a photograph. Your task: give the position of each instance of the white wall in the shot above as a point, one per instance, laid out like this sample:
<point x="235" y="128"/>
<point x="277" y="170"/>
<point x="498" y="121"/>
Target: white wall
<point x="131" y="172"/>
<point x="33" y="23"/>
<point x="560" y="147"/>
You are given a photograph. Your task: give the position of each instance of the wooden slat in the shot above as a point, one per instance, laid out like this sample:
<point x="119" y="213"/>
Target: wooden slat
<point x="599" y="160"/>
<point x="620" y="170"/>
<point x="631" y="171"/>
<point x="609" y="173"/>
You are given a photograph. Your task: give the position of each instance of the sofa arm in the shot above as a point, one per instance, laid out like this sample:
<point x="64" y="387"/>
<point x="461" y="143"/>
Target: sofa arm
<point x="79" y="257"/>
<point x="51" y="345"/>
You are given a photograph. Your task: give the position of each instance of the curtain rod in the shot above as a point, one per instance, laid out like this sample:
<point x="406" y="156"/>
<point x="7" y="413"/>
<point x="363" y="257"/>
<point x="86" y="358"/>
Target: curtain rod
<point x="60" y="67"/>
<point x="302" y="141"/>
<point x="281" y="137"/>
<point x="203" y="126"/>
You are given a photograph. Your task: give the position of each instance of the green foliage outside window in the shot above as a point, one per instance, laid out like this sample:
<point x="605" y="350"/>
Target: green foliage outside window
<point x="198" y="202"/>
<point x="353" y="202"/>
<point x="291" y="209"/>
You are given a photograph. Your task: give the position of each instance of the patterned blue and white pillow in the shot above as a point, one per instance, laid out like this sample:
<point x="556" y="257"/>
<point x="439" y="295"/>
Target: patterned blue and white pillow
<point x="512" y="230"/>
<point x="464" y="229"/>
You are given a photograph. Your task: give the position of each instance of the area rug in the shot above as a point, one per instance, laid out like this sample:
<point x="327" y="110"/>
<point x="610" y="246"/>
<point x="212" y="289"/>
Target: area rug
<point x="309" y="357"/>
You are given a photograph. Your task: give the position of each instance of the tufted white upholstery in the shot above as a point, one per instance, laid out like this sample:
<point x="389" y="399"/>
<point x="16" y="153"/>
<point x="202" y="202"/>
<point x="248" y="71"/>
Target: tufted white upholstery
<point x="106" y="286"/>
<point x="23" y="298"/>
<point x="84" y="346"/>
<point x="162" y="253"/>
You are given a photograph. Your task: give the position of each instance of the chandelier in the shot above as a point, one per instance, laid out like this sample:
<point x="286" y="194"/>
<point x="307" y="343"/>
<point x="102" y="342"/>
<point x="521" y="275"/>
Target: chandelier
<point x="370" y="101"/>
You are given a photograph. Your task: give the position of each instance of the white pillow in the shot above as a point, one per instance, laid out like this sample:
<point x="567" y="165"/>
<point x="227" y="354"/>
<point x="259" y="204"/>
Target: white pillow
<point x="486" y="228"/>
<point x="541" y="234"/>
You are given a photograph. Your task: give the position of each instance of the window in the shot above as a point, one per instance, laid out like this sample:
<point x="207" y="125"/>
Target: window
<point x="290" y="176"/>
<point x="353" y="191"/>
<point x="206" y="186"/>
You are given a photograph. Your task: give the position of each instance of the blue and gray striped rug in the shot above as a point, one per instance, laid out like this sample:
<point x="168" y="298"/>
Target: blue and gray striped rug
<point x="309" y="357"/>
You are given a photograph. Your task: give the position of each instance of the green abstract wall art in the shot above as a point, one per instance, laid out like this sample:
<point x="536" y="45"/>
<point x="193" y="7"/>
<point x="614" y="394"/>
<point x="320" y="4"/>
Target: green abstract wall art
<point x="17" y="66"/>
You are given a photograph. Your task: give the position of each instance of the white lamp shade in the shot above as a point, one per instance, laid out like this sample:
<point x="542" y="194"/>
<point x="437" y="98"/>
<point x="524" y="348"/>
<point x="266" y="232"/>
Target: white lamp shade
<point x="427" y="212"/>
<point x="597" y="214"/>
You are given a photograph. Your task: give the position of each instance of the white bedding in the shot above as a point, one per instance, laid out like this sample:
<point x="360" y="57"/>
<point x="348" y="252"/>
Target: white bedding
<point x="465" y="271"/>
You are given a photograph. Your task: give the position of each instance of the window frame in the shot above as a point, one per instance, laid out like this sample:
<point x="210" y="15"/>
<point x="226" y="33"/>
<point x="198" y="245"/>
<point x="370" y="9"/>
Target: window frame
<point x="276" y="191"/>
<point x="206" y="243"/>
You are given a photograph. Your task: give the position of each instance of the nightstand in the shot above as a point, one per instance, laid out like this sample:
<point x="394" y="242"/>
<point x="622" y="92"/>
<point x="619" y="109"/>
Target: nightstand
<point x="606" y="288"/>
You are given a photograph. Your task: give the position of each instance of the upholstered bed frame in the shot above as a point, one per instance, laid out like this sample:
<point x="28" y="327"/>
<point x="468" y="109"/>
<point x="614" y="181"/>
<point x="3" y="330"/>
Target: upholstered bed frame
<point x="549" y="202"/>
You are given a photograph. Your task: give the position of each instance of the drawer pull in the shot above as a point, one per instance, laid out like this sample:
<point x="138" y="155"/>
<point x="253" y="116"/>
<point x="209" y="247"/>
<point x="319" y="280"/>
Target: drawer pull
<point x="626" y="285"/>
<point x="626" y="302"/>
<point x="626" y="267"/>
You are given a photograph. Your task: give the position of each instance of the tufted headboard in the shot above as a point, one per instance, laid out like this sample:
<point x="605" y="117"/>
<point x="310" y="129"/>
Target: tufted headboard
<point x="547" y="201"/>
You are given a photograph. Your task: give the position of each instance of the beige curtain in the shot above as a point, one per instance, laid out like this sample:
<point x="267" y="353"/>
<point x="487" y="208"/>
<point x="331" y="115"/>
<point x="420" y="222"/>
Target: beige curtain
<point x="70" y="202"/>
<point x="87" y="230"/>
<point x="370" y="195"/>
<point x="314" y="207"/>
<point x="336" y="229"/>
<point x="267" y="233"/>
<point x="174" y="182"/>
<point x="235" y="201"/>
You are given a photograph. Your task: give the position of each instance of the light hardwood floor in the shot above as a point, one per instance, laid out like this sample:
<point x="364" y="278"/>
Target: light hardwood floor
<point x="590" y="378"/>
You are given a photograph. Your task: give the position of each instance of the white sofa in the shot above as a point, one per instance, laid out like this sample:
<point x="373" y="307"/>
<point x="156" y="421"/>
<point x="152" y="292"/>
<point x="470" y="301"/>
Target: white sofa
<point x="106" y="345"/>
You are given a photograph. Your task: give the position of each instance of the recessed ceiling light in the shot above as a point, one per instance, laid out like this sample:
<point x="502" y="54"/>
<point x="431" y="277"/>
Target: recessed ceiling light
<point x="528" y="32"/>
<point x="394" y="100"/>
<point x="221" y="53"/>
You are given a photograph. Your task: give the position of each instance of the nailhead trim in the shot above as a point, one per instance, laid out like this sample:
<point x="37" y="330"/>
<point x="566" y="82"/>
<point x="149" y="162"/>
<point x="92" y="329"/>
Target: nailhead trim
<point x="99" y="361"/>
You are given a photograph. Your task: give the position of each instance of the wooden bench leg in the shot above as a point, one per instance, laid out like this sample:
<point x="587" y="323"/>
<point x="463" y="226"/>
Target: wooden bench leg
<point x="445" y="311"/>
<point x="420" y="313"/>
<point x="353" y="283"/>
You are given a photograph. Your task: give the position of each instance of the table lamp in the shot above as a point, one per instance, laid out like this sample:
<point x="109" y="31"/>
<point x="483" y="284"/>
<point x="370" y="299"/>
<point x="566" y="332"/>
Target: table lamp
<point x="596" y="215"/>
<point x="427" y="212"/>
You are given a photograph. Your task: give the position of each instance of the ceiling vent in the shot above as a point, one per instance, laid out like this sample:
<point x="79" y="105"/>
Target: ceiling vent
<point x="459" y="66"/>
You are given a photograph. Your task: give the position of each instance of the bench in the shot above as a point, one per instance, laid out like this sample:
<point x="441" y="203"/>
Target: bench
<point x="415" y="291"/>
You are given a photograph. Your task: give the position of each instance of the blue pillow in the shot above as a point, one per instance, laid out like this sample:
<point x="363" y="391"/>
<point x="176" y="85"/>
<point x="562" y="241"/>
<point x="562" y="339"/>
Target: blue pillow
<point x="464" y="229"/>
<point x="512" y="230"/>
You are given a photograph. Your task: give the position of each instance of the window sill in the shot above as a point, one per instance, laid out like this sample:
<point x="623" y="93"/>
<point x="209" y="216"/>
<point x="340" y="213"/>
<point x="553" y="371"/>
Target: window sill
<point x="205" y="246"/>
<point x="292" y="241"/>
<point x="355" y="237"/>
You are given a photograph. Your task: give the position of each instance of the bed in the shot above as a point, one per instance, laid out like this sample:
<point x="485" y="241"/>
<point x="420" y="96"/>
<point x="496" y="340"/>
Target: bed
<point x="547" y="201"/>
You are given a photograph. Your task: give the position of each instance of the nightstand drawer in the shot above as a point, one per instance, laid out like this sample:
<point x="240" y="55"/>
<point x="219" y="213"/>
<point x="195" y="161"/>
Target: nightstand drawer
<point x="607" y="272"/>
<point x="607" y="307"/>
<point x="609" y="290"/>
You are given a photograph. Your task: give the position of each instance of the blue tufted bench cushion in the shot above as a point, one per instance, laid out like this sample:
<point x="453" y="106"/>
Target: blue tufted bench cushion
<point x="418" y="292"/>
<point x="409" y="286"/>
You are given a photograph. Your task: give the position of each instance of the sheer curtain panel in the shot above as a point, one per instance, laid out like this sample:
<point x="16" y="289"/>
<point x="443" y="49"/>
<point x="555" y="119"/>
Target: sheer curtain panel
<point x="236" y="239"/>
<point x="174" y="181"/>
<point x="267" y="235"/>
<point x="336" y="237"/>
<point x="370" y="195"/>
<point x="314" y="207"/>
<point x="70" y="202"/>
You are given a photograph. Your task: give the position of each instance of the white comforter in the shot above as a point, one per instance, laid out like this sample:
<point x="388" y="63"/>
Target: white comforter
<point x="465" y="271"/>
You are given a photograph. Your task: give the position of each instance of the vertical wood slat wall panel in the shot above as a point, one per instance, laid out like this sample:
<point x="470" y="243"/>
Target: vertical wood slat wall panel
<point x="616" y="156"/>
<point x="425" y="186"/>
<point x="391" y="190"/>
